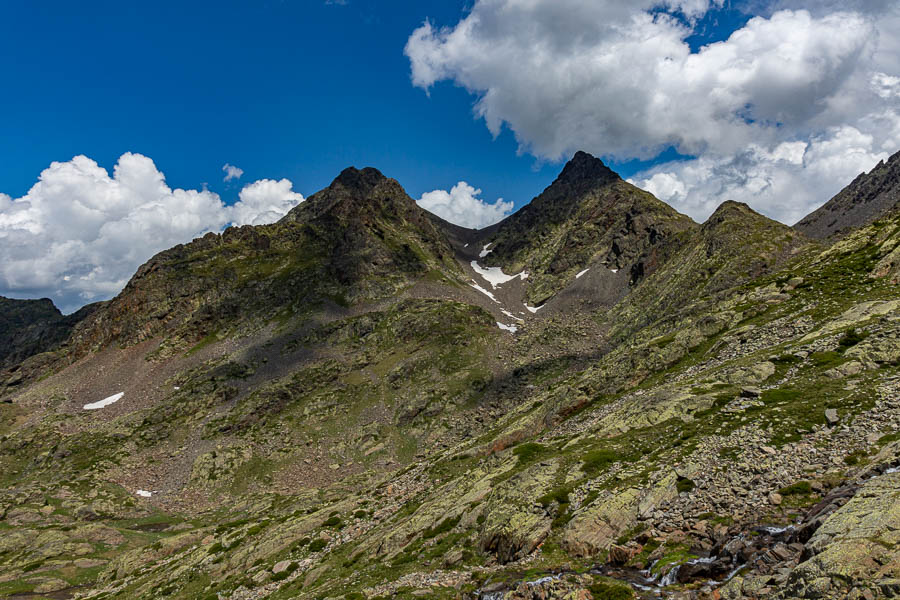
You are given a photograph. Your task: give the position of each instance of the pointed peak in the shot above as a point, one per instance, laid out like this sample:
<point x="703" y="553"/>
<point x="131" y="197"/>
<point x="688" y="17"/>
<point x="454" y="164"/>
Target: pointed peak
<point x="731" y="207"/>
<point x="731" y="213"/>
<point x="585" y="167"/>
<point x="362" y="180"/>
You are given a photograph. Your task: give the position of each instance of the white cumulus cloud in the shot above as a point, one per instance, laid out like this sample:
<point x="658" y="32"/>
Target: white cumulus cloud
<point x="232" y="172"/>
<point x="462" y="206"/>
<point x="619" y="79"/>
<point x="79" y="234"/>
<point x="265" y="201"/>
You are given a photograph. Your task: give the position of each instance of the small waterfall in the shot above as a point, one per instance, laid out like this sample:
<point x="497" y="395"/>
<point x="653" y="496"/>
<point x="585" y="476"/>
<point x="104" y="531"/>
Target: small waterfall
<point x="734" y="572"/>
<point x="670" y="577"/>
<point x="777" y="530"/>
<point x="543" y="580"/>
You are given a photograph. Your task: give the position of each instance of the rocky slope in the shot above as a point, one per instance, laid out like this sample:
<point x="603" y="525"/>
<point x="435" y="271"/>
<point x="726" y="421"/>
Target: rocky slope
<point x="337" y="412"/>
<point x="869" y="197"/>
<point x="588" y="217"/>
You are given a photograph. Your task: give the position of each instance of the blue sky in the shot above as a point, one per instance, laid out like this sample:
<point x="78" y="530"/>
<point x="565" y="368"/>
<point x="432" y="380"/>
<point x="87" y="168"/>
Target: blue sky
<point x="116" y="119"/>
<point x="281" y="89"/>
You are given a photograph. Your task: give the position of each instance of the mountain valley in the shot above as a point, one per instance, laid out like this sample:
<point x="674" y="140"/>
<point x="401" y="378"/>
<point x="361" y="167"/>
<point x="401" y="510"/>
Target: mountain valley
<point x="596" y="398"/>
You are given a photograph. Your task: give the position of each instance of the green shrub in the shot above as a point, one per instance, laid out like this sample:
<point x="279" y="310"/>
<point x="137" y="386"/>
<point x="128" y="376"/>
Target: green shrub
<point x="781" y="395"/>
<point x="685" y="485"/>
<point x="317" y="545"/>
<point x="610" y="591"/>
<point x="559" y="495"/>
<point x="850" y="338"/>
<point x="217" y="547"/>
<point x="529" y="452"/>
<point x="826" y="360"/>
<point x="854" y="457"/>
<point x="360" y="514"/>
<point x="801" y="488"/>
<point x="598" y="460"/>
<point x="334" y="521"/>
<point x="442" y="527"/>
<point x="888" y="438"/>
<point x="286" y="573"/>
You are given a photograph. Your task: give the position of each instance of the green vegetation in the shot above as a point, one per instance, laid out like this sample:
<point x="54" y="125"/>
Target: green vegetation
<point x="850" y="338"/>
<point x="333" y="521"/>
<point x="796" y="489"/>
<point x="603" y="590"/>
<point x="529" y="452"/>
<point x="685" y="485"/>
<point x="598" y="461"/>
<point x="442" y="527"/>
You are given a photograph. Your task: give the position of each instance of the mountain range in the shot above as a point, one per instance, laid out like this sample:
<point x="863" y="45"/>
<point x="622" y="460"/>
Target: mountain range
<point x="596" y="397"/>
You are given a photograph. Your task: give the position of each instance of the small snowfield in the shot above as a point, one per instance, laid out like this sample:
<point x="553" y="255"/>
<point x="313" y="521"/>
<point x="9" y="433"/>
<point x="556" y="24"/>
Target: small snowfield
<point x="105" y="402"/>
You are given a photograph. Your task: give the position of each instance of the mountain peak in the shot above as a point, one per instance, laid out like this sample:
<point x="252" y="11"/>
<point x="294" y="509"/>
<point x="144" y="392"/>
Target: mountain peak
<point x="585" y="167"/>
<point x="729" y="209"/>
<point x="363" y="180"/>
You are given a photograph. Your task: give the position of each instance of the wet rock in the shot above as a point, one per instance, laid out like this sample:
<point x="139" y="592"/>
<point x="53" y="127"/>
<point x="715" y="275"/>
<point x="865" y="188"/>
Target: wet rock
<point x="620" y="555"/>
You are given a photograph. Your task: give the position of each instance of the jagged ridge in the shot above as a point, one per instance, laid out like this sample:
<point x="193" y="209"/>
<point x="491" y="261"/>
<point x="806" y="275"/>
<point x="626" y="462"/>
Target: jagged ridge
<point x="869" y="197"/>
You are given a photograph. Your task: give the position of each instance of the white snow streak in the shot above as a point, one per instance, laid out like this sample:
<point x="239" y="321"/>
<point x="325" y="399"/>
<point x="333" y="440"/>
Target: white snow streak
<point x="485" y="292"/>
<point x="484" y="251"/>
<point x="144" y="493"/>
<point x="105" y="402"/>
<point x="578" y="276"/>
<point x="534" y="309"/>
<point x="509" y="328"/>
<point x="510" y="315"/>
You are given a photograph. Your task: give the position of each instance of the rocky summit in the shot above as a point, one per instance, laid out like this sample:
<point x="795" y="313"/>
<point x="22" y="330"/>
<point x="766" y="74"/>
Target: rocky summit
<point x="596" y="398"/>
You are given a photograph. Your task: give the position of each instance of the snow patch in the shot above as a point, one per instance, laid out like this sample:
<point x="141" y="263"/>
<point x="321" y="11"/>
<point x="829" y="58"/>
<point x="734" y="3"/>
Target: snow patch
<point x="105" y="402"/>
<point x="510" y="315"/>
<point x="578" y="276"/>
<point x="495" y="275"/>
<point x="509" y="328"/>
<point x="484" y="291"/>
<point x="534" y="309"/>
<point x="144" y="493"/>
<point x="484" y="251"/>
<point x="614" y="270"/>
<point x="465" y="245"/>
